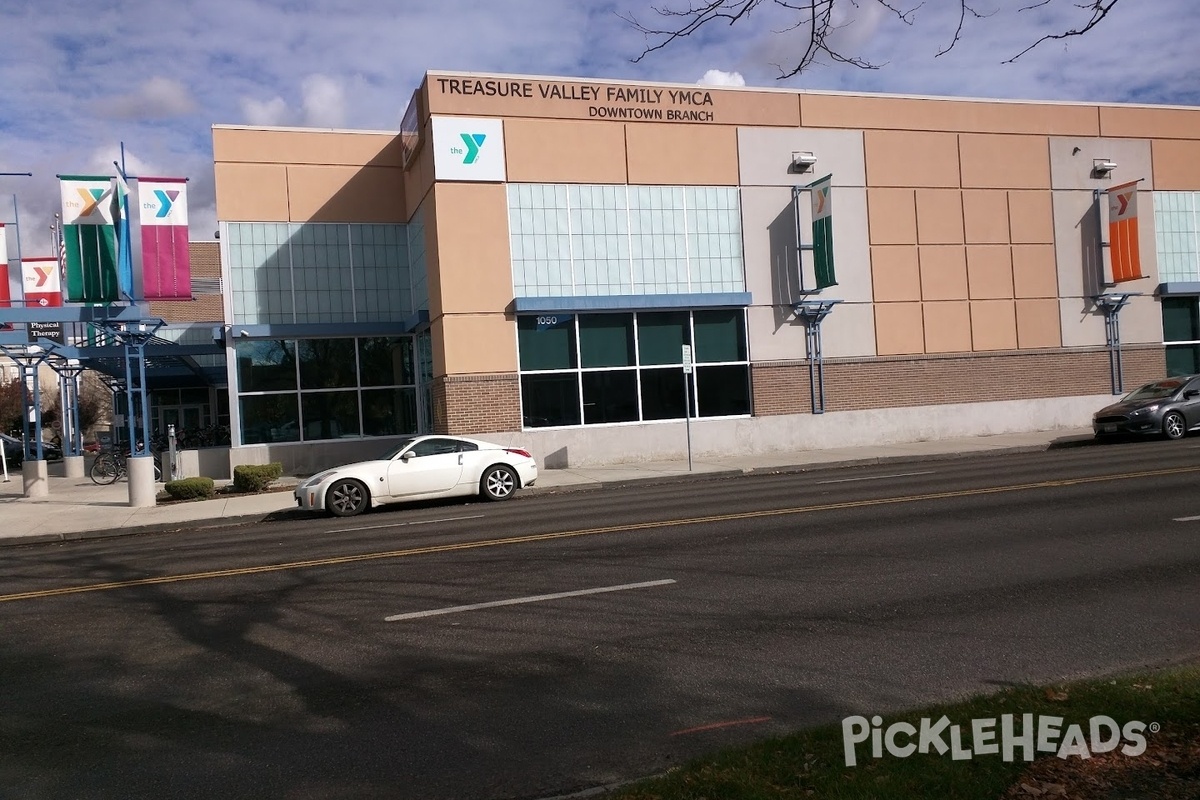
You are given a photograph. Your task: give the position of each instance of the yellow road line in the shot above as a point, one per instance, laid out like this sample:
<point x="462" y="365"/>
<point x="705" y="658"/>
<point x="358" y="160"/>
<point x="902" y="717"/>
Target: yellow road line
<point x="545" y="537"/>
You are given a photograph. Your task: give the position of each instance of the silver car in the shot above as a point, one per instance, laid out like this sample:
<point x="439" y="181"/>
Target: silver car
<point x="1170" y="407"/>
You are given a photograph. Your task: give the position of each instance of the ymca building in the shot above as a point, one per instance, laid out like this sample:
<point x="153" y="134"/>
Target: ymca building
<point x="575" y="265"/>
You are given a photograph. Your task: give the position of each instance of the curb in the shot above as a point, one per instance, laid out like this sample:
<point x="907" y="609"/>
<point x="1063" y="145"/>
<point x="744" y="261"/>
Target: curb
<point x="210" y="523"/>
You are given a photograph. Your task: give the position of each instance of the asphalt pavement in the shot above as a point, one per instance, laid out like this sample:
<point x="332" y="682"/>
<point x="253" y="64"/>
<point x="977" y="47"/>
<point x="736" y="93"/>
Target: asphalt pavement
<point x="77" y="508"/>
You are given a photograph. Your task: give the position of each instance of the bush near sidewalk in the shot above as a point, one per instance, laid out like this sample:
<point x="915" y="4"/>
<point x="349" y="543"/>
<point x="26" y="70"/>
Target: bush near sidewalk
<point x="190" y="488"/>
<point x="256" y="477"/>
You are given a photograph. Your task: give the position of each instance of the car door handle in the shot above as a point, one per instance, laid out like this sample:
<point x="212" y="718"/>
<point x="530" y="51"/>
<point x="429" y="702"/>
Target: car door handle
<point x="460" y="459"/>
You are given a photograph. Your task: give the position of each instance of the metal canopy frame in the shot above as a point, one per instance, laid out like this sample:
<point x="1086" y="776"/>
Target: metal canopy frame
<point x="1111" y="304"/>
<point x="28" y="359"/>
<point x="813" y="312"/>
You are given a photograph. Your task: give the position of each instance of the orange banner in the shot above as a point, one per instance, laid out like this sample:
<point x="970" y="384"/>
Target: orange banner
<point x="1123" y="232"/>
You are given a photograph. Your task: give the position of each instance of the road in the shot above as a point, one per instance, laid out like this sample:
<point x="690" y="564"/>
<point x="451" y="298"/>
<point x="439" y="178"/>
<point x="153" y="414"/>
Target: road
<point x="582" y="638"/>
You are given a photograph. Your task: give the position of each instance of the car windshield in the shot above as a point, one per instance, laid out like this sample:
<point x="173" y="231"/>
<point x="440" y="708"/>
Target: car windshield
<point x="399" y="448"/>
<point x="1153" y="391"/>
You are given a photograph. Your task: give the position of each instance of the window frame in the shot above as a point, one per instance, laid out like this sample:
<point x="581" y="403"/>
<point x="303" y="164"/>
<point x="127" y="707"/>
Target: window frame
<point x="639" y="369"/>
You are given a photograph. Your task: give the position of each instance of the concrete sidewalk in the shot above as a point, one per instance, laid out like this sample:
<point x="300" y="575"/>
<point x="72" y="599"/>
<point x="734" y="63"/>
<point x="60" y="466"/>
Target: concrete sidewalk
<point x="76" y="508"/>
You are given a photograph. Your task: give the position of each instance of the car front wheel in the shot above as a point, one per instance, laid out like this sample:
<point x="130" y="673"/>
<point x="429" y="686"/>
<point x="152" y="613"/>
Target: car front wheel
<point x="346" y="498"/>
<point x="499" y="482"/>
<point x="1173" y="425"/>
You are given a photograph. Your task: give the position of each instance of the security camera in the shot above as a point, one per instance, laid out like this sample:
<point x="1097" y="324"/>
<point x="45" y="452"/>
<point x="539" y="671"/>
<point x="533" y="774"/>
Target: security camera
<point x="243" y="333"/>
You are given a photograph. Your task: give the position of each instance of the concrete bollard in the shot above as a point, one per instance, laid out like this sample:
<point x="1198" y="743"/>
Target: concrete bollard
<point x="36" y="477"/>
<point x="73" y="467"/>
<point x="142" y="490"/>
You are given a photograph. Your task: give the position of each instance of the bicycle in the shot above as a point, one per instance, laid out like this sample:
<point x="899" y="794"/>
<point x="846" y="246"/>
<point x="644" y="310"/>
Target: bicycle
<point x="110" y="467"/>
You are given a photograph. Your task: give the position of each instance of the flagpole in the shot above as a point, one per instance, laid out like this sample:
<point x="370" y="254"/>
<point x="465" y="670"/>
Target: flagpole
<point x="124" y="235"/>
<point x="17" y="222"/>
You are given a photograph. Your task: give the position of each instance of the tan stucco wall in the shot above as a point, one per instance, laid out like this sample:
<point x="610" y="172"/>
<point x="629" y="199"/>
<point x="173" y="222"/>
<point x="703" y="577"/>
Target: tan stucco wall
<point x="467" y="259"/>
<point x="565" y="151"/>
<point x="960" y="225"/>
<point x="285" y="175"/>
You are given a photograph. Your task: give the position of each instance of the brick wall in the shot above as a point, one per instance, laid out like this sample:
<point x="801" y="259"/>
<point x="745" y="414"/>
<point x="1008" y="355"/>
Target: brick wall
<point x="783" y="387"/>
<point x="205" y="262"/>
<point x="472" y="404"/>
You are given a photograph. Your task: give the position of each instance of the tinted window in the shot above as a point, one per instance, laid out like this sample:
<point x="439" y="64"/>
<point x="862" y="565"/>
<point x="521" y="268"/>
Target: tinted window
<point x="547" y="341"/>
<point x="434" y="447"/>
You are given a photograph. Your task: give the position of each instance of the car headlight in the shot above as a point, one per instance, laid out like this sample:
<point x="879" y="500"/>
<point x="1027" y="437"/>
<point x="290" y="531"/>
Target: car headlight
<point x="316" y="479"/>
<point x="1144" y="410"/>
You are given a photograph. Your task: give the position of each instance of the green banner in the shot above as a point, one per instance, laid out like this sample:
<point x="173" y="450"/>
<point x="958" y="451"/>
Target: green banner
<point x="91" y="252"/>
<point x="822" y="228"/>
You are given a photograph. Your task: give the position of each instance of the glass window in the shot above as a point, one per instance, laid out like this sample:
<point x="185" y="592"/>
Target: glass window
<point x="1183" y="359"/>
<point x="723" y="391"/>
<point x="269" y="418"/>
<point x="547" y="341"/>
<point x="662" y="393"/>
<point x="606" y="340"/>
<point x="389" y="412"/>
<point x="720" y="335"/>
<point x="661" y="336"/>
<point x="434" y="447"/>
<point x="330" y="415"/>
<point x="1181" y="319"/>
<point x="327" y="363"/>
<point x="386" y="362"/>
<point x="550" y="399"/>
<point x="610" y="396"/>
<point x="611" y="386"/>
<point x="266" y="366"/>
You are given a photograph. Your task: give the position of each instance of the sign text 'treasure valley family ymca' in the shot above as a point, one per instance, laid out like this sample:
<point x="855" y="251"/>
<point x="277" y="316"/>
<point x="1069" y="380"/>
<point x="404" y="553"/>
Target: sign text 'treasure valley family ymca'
<point x="604" y="102"/>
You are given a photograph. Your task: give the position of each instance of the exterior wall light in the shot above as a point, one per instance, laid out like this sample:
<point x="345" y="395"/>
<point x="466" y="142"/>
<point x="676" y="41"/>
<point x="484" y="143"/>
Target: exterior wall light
<point x="803" y="160"/>
<point x="1101" y="167"/>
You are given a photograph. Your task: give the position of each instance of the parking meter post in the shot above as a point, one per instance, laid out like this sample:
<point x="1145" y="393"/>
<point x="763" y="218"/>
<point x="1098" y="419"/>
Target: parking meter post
<point x="172" y="472"/>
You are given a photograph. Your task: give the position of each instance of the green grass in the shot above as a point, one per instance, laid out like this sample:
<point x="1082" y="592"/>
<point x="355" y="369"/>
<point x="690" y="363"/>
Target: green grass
<point x="812" y="763"/>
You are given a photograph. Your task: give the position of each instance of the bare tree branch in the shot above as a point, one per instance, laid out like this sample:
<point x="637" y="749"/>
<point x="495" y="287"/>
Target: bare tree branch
<point x="817" y="17"/>
<point x="1099" y="9"/>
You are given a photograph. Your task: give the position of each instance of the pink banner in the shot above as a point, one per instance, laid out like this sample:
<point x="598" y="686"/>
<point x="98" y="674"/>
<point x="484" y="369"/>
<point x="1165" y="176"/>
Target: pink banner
<point x="5" y="294"/>
<point x="166" y="265"/>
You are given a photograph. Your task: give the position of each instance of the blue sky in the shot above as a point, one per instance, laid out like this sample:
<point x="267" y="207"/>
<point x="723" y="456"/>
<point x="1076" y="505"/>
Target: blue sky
<point x="81" y="77"/>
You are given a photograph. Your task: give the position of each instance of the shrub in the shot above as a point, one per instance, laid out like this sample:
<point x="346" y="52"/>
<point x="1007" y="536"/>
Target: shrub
<point x="190" y="488"/>
<point x="255" y="477"/>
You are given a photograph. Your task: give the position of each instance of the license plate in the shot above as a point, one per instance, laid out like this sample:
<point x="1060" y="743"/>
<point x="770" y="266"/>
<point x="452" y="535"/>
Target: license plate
<point x="1110" y="428"/>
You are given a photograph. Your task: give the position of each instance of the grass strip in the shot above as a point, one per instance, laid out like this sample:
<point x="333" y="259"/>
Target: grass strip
<point x="811" y="763"/>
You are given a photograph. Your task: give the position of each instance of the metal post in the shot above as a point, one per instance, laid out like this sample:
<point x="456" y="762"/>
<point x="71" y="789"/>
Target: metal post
<point x="813" y="312"/>
<point x="172" y="467"/>
<point x="687" y="399"/>
<point x="1111" y="305"/>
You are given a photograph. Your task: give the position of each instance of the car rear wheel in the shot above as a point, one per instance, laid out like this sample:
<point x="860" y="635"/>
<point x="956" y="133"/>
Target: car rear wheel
<point x="1173" y="425"/>
<point x="346" y="498"/>
<point x="499" y="482"/>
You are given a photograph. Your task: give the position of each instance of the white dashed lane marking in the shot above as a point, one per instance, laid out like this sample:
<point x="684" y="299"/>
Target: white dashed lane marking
<point x="539" y="598"/>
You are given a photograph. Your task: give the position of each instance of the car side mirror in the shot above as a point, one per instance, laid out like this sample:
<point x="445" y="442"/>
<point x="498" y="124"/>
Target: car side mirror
<point x="1190" y="393"/>
<point x="406" y="457"/>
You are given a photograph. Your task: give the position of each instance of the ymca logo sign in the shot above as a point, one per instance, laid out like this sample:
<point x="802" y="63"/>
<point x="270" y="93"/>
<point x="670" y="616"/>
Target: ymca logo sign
<point x="468" y="149"/>
<point x="473" y="141"/>
<point x="166" y="199"/>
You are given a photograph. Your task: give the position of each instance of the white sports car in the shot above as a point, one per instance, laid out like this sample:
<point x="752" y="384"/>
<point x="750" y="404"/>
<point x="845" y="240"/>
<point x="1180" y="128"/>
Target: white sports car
<point x="420" y="468"/>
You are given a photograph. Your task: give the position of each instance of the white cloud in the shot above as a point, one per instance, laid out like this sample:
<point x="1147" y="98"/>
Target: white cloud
<point x="156" y="98"/>
<point x="715" y="77"/>
<point x="266" y="112"/>
<point x="324" y="102"/>
<point x="72" y="95"/>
